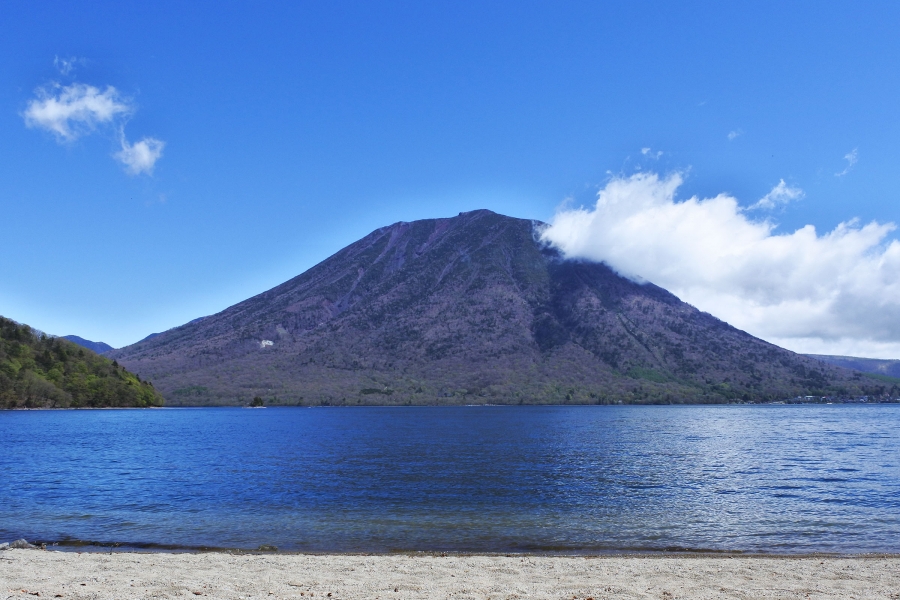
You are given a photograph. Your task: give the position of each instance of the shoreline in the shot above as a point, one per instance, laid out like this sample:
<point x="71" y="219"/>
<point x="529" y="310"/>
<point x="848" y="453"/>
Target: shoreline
<point x="115" y="548"/>
<point x="893" y="401"/>
<point x="111" y="547"/>
<point x="126" y="575"/>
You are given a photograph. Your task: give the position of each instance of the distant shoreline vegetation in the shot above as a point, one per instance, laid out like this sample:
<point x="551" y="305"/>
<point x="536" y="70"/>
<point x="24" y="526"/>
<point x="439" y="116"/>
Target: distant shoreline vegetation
<point x="469" y="401"/>
<point x="40" y="371"/>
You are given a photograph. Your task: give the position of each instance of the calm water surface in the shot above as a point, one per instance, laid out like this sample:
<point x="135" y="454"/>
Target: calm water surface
<point x="556" y="479"/>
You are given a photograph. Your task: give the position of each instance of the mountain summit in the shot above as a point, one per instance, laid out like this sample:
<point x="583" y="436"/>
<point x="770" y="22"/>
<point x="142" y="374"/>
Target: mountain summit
<point x="470" y="309"/>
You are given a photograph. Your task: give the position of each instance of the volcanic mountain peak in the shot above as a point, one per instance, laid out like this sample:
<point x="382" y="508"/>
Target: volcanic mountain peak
<point x="472" y="308"/>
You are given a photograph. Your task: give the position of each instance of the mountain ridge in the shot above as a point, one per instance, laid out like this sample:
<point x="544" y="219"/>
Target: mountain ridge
<point x="879" y="366"/>
<point x="472" y="308"/>
<point x="98" y="347"/>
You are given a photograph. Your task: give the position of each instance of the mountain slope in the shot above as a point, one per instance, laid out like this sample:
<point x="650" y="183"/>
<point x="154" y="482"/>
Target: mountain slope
<point x="878" y="366"/>
<point x="38" y="371"/>
<point x="469" y="309"/>
<point x="98" y="347"/>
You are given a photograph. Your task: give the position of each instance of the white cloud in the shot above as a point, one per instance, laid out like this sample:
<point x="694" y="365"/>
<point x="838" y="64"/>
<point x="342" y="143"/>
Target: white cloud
<point x="74" y="110"/>
<point x="649" y="152"/>
<point x="780" y="194"/>
<point x="836" y="293"/>
<point x="66" y="66"/>
<point x="732" y="135"/>
<point x="851" y="157"/>
<point x="141" y="156"/>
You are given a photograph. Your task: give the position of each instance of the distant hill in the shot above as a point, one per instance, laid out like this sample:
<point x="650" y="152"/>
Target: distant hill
<point x="98" y="347"/>
<point x="879" y="366"/>
<point x="471" y="309"/>
<point x="38" y="371"/>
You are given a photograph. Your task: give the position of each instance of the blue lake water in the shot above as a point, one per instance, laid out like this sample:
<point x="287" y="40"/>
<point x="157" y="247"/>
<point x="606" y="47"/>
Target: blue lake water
<point x="497" y="479"/>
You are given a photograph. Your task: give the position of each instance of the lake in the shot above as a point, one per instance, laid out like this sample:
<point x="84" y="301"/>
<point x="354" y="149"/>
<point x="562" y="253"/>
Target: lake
<point x="770" y="478"/>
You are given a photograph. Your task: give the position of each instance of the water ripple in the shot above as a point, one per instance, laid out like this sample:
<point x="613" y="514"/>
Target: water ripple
<point x="560" y="479"/>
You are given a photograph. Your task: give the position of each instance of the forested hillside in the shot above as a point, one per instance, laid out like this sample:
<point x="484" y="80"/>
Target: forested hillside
<point x="878" y="366"/>
<point x="40" y="371"/>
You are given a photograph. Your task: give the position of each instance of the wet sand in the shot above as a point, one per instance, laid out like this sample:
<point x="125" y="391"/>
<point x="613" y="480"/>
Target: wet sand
<point x="125" y="575"/>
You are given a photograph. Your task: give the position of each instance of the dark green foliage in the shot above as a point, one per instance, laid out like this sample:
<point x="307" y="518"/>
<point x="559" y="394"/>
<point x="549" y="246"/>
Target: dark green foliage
<point x="191" y="391"/>
<point x="47" y="372"/>
<point x="648" y="374"/>
<point x="257" y="401"/>
<point x="885" y="378"/>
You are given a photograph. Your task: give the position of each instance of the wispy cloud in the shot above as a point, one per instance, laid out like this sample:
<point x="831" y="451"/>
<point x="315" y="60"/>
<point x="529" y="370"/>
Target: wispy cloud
<point x="66" y="66"/>
<point x="734" y="134"/>
<point x="780" y="194"/>
<point x="851" y="157"/>
<point x="74" y="110"/>
<point x="831" y="293"/>
<point x="649" y="152"/>
<point x="141" y="156"/>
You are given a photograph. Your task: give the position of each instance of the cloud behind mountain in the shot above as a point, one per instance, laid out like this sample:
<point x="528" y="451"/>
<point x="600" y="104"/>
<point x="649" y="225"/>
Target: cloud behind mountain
<point x="826" y="293"/>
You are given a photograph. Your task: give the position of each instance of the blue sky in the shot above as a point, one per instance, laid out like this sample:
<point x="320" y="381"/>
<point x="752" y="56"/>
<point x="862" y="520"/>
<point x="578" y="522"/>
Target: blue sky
<point x="287" y="130"/>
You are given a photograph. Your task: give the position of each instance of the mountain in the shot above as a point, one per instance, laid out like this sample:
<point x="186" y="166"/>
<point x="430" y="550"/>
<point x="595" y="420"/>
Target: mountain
<point x="153" y="335"/>
<point x="98" y="347"/>
<point x="38" y="371"/>
<point x="471" y="309"/>
<point x="878" y="366"/>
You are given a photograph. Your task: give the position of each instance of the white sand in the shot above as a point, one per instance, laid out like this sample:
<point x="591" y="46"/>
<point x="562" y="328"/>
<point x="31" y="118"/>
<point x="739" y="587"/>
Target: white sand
<point x="29" y="573"/>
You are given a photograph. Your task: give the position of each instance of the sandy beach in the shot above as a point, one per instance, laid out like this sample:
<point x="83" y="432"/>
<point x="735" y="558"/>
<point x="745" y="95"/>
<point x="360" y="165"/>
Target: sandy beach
<point x="120" y="575"/>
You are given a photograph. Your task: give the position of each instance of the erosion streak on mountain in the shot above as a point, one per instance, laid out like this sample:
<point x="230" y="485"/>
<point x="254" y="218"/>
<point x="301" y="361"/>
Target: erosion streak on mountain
<point x="470" y="309"/>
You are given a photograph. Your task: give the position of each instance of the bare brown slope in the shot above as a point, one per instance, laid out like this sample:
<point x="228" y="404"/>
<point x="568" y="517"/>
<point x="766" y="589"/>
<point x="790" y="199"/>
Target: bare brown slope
<point x="468" y="309"/>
